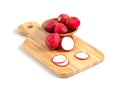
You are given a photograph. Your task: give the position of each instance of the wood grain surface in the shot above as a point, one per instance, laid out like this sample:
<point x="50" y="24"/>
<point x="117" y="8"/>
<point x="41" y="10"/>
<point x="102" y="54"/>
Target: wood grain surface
<point x="35" y="46"/>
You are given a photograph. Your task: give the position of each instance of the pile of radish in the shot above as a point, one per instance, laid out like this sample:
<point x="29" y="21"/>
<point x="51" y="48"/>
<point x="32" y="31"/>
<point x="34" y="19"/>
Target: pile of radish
<point x="63" y="24"/>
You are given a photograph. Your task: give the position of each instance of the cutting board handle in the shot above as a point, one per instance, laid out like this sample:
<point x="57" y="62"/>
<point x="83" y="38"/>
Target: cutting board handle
<point x="26" y="28"/>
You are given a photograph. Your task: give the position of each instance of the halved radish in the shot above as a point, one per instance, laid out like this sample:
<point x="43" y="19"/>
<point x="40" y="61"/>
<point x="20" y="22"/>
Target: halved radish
<point x="67" y="43"/>
<point x="82" y="55"/>
<point x="59" y="59"/>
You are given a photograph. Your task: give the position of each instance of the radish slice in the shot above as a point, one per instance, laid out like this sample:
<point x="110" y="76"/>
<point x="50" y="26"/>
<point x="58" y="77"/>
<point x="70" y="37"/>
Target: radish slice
<point x="64" y="64"/>
<point x="67" y="43"/>
<point x="82" y="55"/>
<point x="59" y="59"/>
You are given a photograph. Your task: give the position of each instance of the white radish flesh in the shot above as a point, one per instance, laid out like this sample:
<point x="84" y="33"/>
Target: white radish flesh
<point x="82" y="55"/>
<point x="67" y="43"/>
<point x="59" y="59"/>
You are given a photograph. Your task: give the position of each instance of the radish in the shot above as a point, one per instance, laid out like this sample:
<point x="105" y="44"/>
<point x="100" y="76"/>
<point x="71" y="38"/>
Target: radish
<point x="53" y="41"/>
<point x="64" y="64"/>
<point x="82" y="55"/>
<point x="62" y="18"/>
<point x="72" y="23"/>
<point x="51" y="25"/>
<point x="60" y="60"/>
<point x="67" y="43"/>
<point x="60" y="28"/>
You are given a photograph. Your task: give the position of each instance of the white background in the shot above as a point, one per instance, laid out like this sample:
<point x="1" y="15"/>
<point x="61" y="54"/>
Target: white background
<point x="100" y="27"/>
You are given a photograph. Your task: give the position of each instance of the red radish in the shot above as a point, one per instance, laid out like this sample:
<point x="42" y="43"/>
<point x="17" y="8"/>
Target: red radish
<point x="60" y="28"/>
<point x="60" y="60"/>
<point x="82" y="55"/>
<point x="51" y="25"/>
<point x="67" y="43"/>
<point x="62" y="18"/>
<point x="53" y="41"/>
<point x="73" y="23"/>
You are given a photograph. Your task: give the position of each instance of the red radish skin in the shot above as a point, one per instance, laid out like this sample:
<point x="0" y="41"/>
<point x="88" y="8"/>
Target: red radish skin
<point x="82" y="55"/>
<point x="72" y="23"/>
<point x="62" y="18"/>
<point x="58" y="59"/>
<point x="51" y="25"/>
<point x="53" y="41"/>
<point x="60" y="28"/>
<point x="66" y="42"/>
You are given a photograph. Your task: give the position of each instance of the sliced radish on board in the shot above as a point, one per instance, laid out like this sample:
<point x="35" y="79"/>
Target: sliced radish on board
<point x="64" y="64"/>
<point x="60" y="60"/>
<point x="67" y="43"/>
<point x="82" y="55"/>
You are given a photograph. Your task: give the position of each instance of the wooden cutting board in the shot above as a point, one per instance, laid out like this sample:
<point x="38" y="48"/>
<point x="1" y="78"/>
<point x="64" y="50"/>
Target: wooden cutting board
<point x="35" y="46"/>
